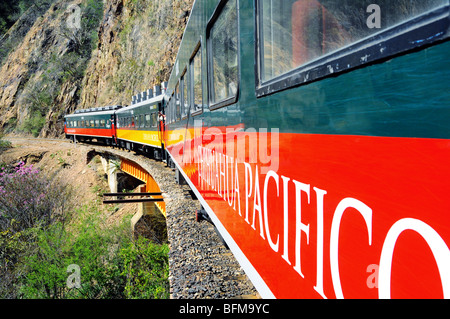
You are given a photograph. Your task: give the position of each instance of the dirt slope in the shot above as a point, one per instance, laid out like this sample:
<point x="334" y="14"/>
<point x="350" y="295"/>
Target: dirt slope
<point x="68" y="162"/>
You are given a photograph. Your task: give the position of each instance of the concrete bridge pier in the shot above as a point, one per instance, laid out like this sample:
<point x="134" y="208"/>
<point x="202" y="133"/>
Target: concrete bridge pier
<point x="149" y="221"/>
<point x="111" y="166"/>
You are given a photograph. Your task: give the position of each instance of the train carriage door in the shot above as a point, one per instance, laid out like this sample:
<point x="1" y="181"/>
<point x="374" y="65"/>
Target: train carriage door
<point x="161" y="120"/>
<point x="113" y="126"/>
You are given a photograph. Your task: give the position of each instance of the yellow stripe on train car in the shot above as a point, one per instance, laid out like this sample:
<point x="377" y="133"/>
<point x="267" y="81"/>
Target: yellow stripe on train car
<point x="143" y="137"/>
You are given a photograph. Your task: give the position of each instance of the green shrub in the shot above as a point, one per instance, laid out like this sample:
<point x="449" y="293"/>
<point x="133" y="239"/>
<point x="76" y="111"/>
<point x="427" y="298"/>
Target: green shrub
<point x="34" y="124"/>
<point x="146" y="268"/>
<point x="86" y="245"/>
<point x="111" y="264"/>
<point x="29" y="203"/>
<point x="39" y="243"/>
<point x="4" y="145"/>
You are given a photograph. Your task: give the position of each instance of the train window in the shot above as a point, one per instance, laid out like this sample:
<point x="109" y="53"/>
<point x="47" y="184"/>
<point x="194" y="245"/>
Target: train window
<point x="97" y="123"/>
<point x="185" y="96"/>
<point x="141" y="120"/>
<point x="102" y="123"/>
<point x="222" y="35"/>
<point x="299" y="41"/>
<point x="196" y="76"/>
<point x="154" y="120"/>
<point x="172" y="108"/>
<point x="177" y="102"/>
<point x="147" y="120"/>
<point x="169" y="111"/>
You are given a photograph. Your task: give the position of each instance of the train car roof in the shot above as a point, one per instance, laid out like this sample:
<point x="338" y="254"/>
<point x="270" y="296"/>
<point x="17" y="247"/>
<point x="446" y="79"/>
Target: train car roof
<point x="92" y="113"/>
<point x="151" y="101"/>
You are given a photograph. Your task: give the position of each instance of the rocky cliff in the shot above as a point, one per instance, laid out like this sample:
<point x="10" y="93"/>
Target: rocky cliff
<point x="85" y="53"/>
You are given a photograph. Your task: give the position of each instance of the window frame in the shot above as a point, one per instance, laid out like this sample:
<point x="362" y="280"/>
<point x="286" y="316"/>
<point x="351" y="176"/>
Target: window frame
<point x="198" y="49"/>
<point x="209" y="57"/>
<point x="184" y="98"/>
<point x="154" y="119"/>
<point x="177" y="96"/>
<point x="415" y="33"/>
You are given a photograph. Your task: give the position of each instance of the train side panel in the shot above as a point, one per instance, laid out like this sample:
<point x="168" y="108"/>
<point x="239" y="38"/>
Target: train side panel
<point x="138" y="127"/>
<point x="98" y="125"/>
<point x="335" y="188"/>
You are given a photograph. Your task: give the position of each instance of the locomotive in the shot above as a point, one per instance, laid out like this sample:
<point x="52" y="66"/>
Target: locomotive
<point x="315" y="135"/>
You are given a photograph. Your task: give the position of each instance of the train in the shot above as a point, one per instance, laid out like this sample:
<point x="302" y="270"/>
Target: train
<point x="135" y="128"/>
<point x="315" y="134"/>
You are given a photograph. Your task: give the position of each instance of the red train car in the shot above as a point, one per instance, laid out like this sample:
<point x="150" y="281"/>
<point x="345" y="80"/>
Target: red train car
<point x="95" y="123"/>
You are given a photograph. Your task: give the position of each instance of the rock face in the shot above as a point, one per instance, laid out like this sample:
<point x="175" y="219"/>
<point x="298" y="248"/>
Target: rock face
<point x="119" y="48"/>
<point x="138" y="42"/>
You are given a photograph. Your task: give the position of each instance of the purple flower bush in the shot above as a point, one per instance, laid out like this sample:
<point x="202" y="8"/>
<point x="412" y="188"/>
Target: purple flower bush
<point x="27" y="199"/>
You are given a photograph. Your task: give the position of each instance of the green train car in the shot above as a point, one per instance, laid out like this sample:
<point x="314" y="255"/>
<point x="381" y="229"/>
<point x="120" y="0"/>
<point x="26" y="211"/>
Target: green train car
<point x="138" y="126"/>
<point x="315" y="134"/>
<point x="94" y="123"/>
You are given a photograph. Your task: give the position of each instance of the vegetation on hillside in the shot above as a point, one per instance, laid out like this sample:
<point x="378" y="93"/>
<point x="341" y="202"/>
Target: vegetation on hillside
<point x="10" y="12"/>
<point x="4" y="145"/>
<point x="62" y="69"/>
<point x="49" y="251"/>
